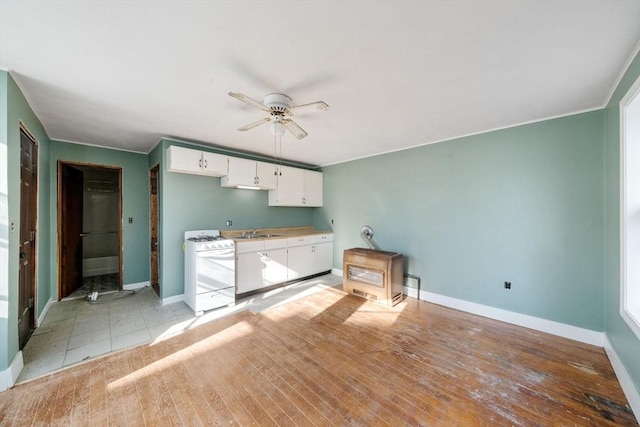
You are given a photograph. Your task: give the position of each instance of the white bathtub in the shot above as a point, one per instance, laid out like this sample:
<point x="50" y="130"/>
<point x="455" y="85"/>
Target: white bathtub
<point x="98" y="266"/>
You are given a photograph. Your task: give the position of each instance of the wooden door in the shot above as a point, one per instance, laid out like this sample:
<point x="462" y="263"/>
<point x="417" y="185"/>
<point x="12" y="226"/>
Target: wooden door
<point x="28" y="220"/>
<point x="70" y="217"/>
<point x="153" y="221"/>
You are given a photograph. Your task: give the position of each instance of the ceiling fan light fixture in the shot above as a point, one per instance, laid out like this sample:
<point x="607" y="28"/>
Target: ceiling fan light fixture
<point x="280" y="107"/>
<point x="277" y="128"/>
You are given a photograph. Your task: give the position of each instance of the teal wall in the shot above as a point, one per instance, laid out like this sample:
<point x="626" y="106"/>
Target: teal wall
<point x="625" y="342"/>
<point x="523" y="205"/>
<point x="14" y="108"/>
<point x="7" y="349"/>
<point x="193" y="202"/>
<point x="135" y="204"/>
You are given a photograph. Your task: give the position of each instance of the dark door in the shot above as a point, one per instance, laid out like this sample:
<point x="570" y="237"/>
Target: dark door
<point x="70" y="220"/>
<point x="153" y="220"/>
<point x="28" y="219"/>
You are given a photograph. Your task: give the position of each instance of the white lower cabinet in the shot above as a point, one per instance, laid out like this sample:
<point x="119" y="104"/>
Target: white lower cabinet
<point x="310" y="255"/>
<point x="322" y="256"/>
<point x="249" y="266"/>
<point x="275" y="267"/>
<point x="260" y="264"/>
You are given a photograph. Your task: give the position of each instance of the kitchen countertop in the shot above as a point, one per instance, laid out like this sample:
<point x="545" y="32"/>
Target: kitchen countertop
<point x="273" y="233"/>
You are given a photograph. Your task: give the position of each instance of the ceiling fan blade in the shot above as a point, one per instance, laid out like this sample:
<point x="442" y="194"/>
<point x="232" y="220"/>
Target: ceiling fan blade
<point x="293" y="127"/>
<point x="250" y="101"/>
<point x="255" y="124"/>
<point x="313" y="107"/>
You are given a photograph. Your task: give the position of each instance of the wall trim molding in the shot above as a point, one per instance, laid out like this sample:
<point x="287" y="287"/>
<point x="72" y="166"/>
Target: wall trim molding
<point x="481" y="132"/>
<point x="337" y="272"/>
<point x="586" y="336"/>
<point x="9" y="376"/>
<point x="173" y="299"/>
<point x="629" y="389"/>
<point x="43" y="313"/>
<point x="135" y="286"/>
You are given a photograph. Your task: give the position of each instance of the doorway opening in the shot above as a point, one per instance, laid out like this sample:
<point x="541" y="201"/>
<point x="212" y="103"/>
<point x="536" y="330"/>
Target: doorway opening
<point x="89" y="229"/>
<point x="28" y="222"/>
<point x="154" y="226"/>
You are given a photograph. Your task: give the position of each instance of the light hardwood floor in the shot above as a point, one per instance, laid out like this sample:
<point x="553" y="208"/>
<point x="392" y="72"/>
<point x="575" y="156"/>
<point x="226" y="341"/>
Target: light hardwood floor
<point x="334" y="359"/>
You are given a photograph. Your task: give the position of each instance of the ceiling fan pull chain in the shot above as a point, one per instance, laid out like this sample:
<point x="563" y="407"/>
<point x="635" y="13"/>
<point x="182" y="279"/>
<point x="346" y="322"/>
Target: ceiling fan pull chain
<point x="275" y="154"/>
<point x="280" y="138"/>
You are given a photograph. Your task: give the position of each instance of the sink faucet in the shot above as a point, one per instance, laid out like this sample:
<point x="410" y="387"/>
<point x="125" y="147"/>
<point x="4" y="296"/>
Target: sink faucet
<point x="253" y="231"/>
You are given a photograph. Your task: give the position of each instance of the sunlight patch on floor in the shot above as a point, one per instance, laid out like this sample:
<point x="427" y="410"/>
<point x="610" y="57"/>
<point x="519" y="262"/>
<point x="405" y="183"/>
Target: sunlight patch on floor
<point x="198" y="349"/>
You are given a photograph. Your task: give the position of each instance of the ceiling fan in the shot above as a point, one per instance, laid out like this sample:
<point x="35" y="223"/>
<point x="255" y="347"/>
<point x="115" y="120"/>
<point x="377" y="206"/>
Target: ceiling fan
<point x="280" y="107"/>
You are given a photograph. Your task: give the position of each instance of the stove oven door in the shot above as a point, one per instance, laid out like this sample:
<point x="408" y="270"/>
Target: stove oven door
<point x="215" y="270"/>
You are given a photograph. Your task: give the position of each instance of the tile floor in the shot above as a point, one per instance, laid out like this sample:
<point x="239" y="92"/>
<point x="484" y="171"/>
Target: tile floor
<point x="102" y="283"/>
<point x="77" y="330"/>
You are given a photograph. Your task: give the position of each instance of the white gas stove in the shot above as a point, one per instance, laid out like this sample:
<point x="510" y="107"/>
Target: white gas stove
<point x="209" y="270"/>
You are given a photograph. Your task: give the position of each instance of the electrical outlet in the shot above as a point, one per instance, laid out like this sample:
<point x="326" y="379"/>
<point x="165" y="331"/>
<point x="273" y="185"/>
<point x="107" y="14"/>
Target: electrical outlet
<point x="507" y="285"/>
<point x="229" y="223"/>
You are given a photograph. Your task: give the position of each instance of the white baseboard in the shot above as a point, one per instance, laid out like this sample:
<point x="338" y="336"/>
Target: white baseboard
<point x="633" y="397"/>
<point x="9" y="376"/>
<point x="337" y="272"/>
<point x="134" y="286"/>
<point x="543" y="325"/>
<point x="43" y="313"/>
<point x="173" y="299"/>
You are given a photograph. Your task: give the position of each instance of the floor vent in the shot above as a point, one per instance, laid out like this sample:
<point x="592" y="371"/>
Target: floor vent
<point x="397" y="298"/>
<point x="365" y="294"/>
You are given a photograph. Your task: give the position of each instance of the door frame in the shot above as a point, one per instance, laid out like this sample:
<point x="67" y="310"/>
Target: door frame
<point x="60" y="223"/>
<point x="154" y="170"/>
<point x="33" y="317"/>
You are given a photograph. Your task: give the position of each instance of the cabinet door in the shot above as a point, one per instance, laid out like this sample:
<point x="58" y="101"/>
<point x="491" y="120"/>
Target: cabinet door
<point x="241" y="172"/>
<point x="267" y="175"/>
<point x="299" y="262"/>
<point x="249" y="269"/>
<point x="322" y="254"/>
<point x="275" y="270"/>
<point x="214" y="164"/>
<point x="312" y="189"/>
<point x="183" y="160"/>
<point x="290" y="187"/>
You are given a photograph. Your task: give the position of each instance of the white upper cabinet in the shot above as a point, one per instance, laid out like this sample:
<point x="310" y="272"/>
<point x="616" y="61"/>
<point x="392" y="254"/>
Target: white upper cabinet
<point x="214" y="164"/>
<point x="312" y="195"/>
<point x="287" y="186"/>
<point x="250" y="173"/>
<point x="267" y="175"/>
<point x="186" y="160"/>
<point x="297" y="187"/>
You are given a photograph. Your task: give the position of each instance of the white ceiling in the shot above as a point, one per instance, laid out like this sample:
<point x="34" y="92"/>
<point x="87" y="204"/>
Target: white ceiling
<point x="396" y="74"/>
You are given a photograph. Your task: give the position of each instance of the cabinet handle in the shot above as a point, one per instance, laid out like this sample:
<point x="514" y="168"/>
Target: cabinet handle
<point x="205" y="164"/>
<point x="200" y="163"/>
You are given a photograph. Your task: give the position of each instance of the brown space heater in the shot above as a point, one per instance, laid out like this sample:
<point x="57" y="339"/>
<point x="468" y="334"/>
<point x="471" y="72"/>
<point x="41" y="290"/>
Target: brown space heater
<point x="373" y="274"/>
